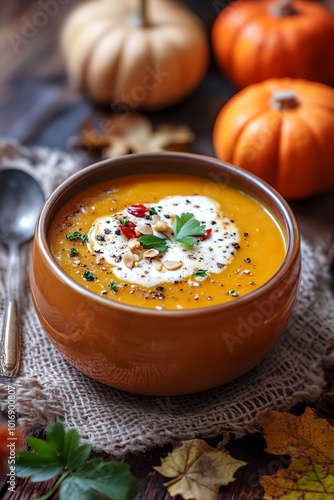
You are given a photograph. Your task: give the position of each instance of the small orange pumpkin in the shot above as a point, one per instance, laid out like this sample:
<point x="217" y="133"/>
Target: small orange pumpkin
<point x="281" y="130"/>
<point x="144" y="54"/>
<point x="256" y="40"/>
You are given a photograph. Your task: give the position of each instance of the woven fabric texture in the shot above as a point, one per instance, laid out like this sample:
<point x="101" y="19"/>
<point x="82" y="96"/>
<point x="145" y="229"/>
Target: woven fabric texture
<point x="48" y="388"/>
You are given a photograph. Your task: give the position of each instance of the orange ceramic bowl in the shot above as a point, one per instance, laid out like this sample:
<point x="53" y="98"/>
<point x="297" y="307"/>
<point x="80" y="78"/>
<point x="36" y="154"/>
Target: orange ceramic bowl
<point x="154" y="352"/>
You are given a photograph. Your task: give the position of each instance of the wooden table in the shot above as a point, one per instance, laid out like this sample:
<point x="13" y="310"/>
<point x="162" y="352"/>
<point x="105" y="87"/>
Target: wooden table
<point x="38" y="107"/>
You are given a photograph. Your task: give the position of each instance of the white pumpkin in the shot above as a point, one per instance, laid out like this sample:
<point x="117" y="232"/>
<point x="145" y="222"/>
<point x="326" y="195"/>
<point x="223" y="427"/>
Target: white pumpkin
<point x="146" y="54"/>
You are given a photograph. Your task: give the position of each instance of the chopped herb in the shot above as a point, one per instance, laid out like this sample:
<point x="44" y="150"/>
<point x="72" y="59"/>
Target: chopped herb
<point x="186" y="227"/>
<point x="63" y="454"/>
<point x="89" y="276"/>
<point x="201" y="273"/>
<point x="233" y="293"/>
<point x="76" y="235"/>
<point x="124" y="222"/>
<point x="153" y="211"/>
<point x="151" y="241"/>
<point x="73" y="252"/>
<point x="113" y="286"/>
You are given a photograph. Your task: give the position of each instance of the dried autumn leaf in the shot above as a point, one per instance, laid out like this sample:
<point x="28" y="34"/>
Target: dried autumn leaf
<point x="198" y="471"/>
<point x="309" y="441"/>
<point x="90" y="138"/>
<point x="301" y="481"/>
<point x="131" y="133"/>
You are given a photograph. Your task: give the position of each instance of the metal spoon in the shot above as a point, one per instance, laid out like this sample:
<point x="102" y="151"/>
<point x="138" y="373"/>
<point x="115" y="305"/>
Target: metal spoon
<point x="21" y="199"/>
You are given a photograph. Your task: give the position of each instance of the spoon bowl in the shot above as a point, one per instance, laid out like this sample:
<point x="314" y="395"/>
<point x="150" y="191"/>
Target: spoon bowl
<point x="21" y="200"/>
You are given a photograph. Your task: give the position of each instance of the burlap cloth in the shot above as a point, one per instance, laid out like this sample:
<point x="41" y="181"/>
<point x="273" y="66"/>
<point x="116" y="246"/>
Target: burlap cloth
<point x="48" y="388"/>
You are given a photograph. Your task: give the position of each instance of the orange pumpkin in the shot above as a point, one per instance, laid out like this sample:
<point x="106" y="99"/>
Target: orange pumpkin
<point x="256" y="40"/>
<point x="144" y="54"/>
<point x="281" y="130"/>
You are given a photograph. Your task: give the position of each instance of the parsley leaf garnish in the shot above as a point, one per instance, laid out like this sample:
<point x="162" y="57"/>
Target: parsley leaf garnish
<point x="76" y="235"/>
<point x="186" y="227"/>
<point x="234" y="293"/>
<point x="73" y="252"/>
<point x="89" y="276"/>
<point x="151" y="241"/>
<point x="201" y="273"/>
<point x="81" y="478"/>
<point x="113" y="286"/>
<point x="152" y="211"/>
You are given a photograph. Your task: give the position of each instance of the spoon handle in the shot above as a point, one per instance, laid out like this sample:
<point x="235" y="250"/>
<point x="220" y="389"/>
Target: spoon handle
<point x="10" y="341"/>
<point x="10" y="355"/>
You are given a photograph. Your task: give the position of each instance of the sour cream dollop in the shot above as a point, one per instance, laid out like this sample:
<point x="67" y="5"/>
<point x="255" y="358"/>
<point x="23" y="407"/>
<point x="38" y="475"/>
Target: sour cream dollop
<point x="212" y="255"/>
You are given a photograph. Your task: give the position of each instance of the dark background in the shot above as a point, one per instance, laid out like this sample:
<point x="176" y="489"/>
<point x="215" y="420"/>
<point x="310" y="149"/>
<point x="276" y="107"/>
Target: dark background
<point x="37" y="105"/>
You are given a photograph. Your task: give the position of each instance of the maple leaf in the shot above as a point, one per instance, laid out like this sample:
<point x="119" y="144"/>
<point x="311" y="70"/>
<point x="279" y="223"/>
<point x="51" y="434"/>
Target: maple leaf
<point x="309" y="440"/>
<point x="130" y="133"/>
<point x="198" y="471"/>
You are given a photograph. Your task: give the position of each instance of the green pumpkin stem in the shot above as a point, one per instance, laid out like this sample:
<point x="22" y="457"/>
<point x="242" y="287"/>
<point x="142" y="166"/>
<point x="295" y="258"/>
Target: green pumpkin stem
<point x="284" y="99"/>
<point x="283" y="8"/>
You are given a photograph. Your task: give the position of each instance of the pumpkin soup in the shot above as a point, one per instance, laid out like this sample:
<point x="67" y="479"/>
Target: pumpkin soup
<point x="167" y="241"/>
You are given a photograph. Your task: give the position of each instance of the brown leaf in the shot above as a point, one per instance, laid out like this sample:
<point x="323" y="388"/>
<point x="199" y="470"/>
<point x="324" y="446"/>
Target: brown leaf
<point x="198" y="471"/>
<point x="131" y="133"/>
<point x="90" y="138"/>
<point x="309" y="441"/>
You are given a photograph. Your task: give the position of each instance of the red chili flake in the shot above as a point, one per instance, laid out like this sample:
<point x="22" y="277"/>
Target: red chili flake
<point x="128" y="230"/>
<point x="206" y="234"/>
<point x="138" y="210"/>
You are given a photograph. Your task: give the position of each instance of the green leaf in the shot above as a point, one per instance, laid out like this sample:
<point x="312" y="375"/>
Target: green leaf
<point x="82" y="479"/>
<point x="37" y="473"/>
<point x="30" y="463"/>
<point x="113" y="286"/>
<point x="74" y="487"/>
<point x="73" y="252"/>
<point x="186" y="227"/>
<point x="56" y="435"/>
<point x="76" y="458"/>
<point x="77" y="235"/>
<point x="43" y="449"/>
<point x="152" y="211"/>
<point x="112" y="479"/>
<point x="201" y="273"/>
<point x="46" y="459"/>
<point x="75" y="454"/>
<point x="89" y="276"/>
<point x="124" y="222"/>
<point x="151" y="241"/>
<point x="189" y="241"/>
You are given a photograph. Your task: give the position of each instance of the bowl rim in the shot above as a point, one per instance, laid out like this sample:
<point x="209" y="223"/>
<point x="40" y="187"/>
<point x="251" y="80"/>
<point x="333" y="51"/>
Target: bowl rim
<point x="293" y="235"/>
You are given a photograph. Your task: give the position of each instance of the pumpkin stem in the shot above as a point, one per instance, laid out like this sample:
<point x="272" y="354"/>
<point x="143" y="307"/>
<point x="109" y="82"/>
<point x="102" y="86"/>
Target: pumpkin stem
<point x="284" y="99"/>
<point x="139" y="18"/>
<point x="282" y="8"/>
<point x="143" y="12"/>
